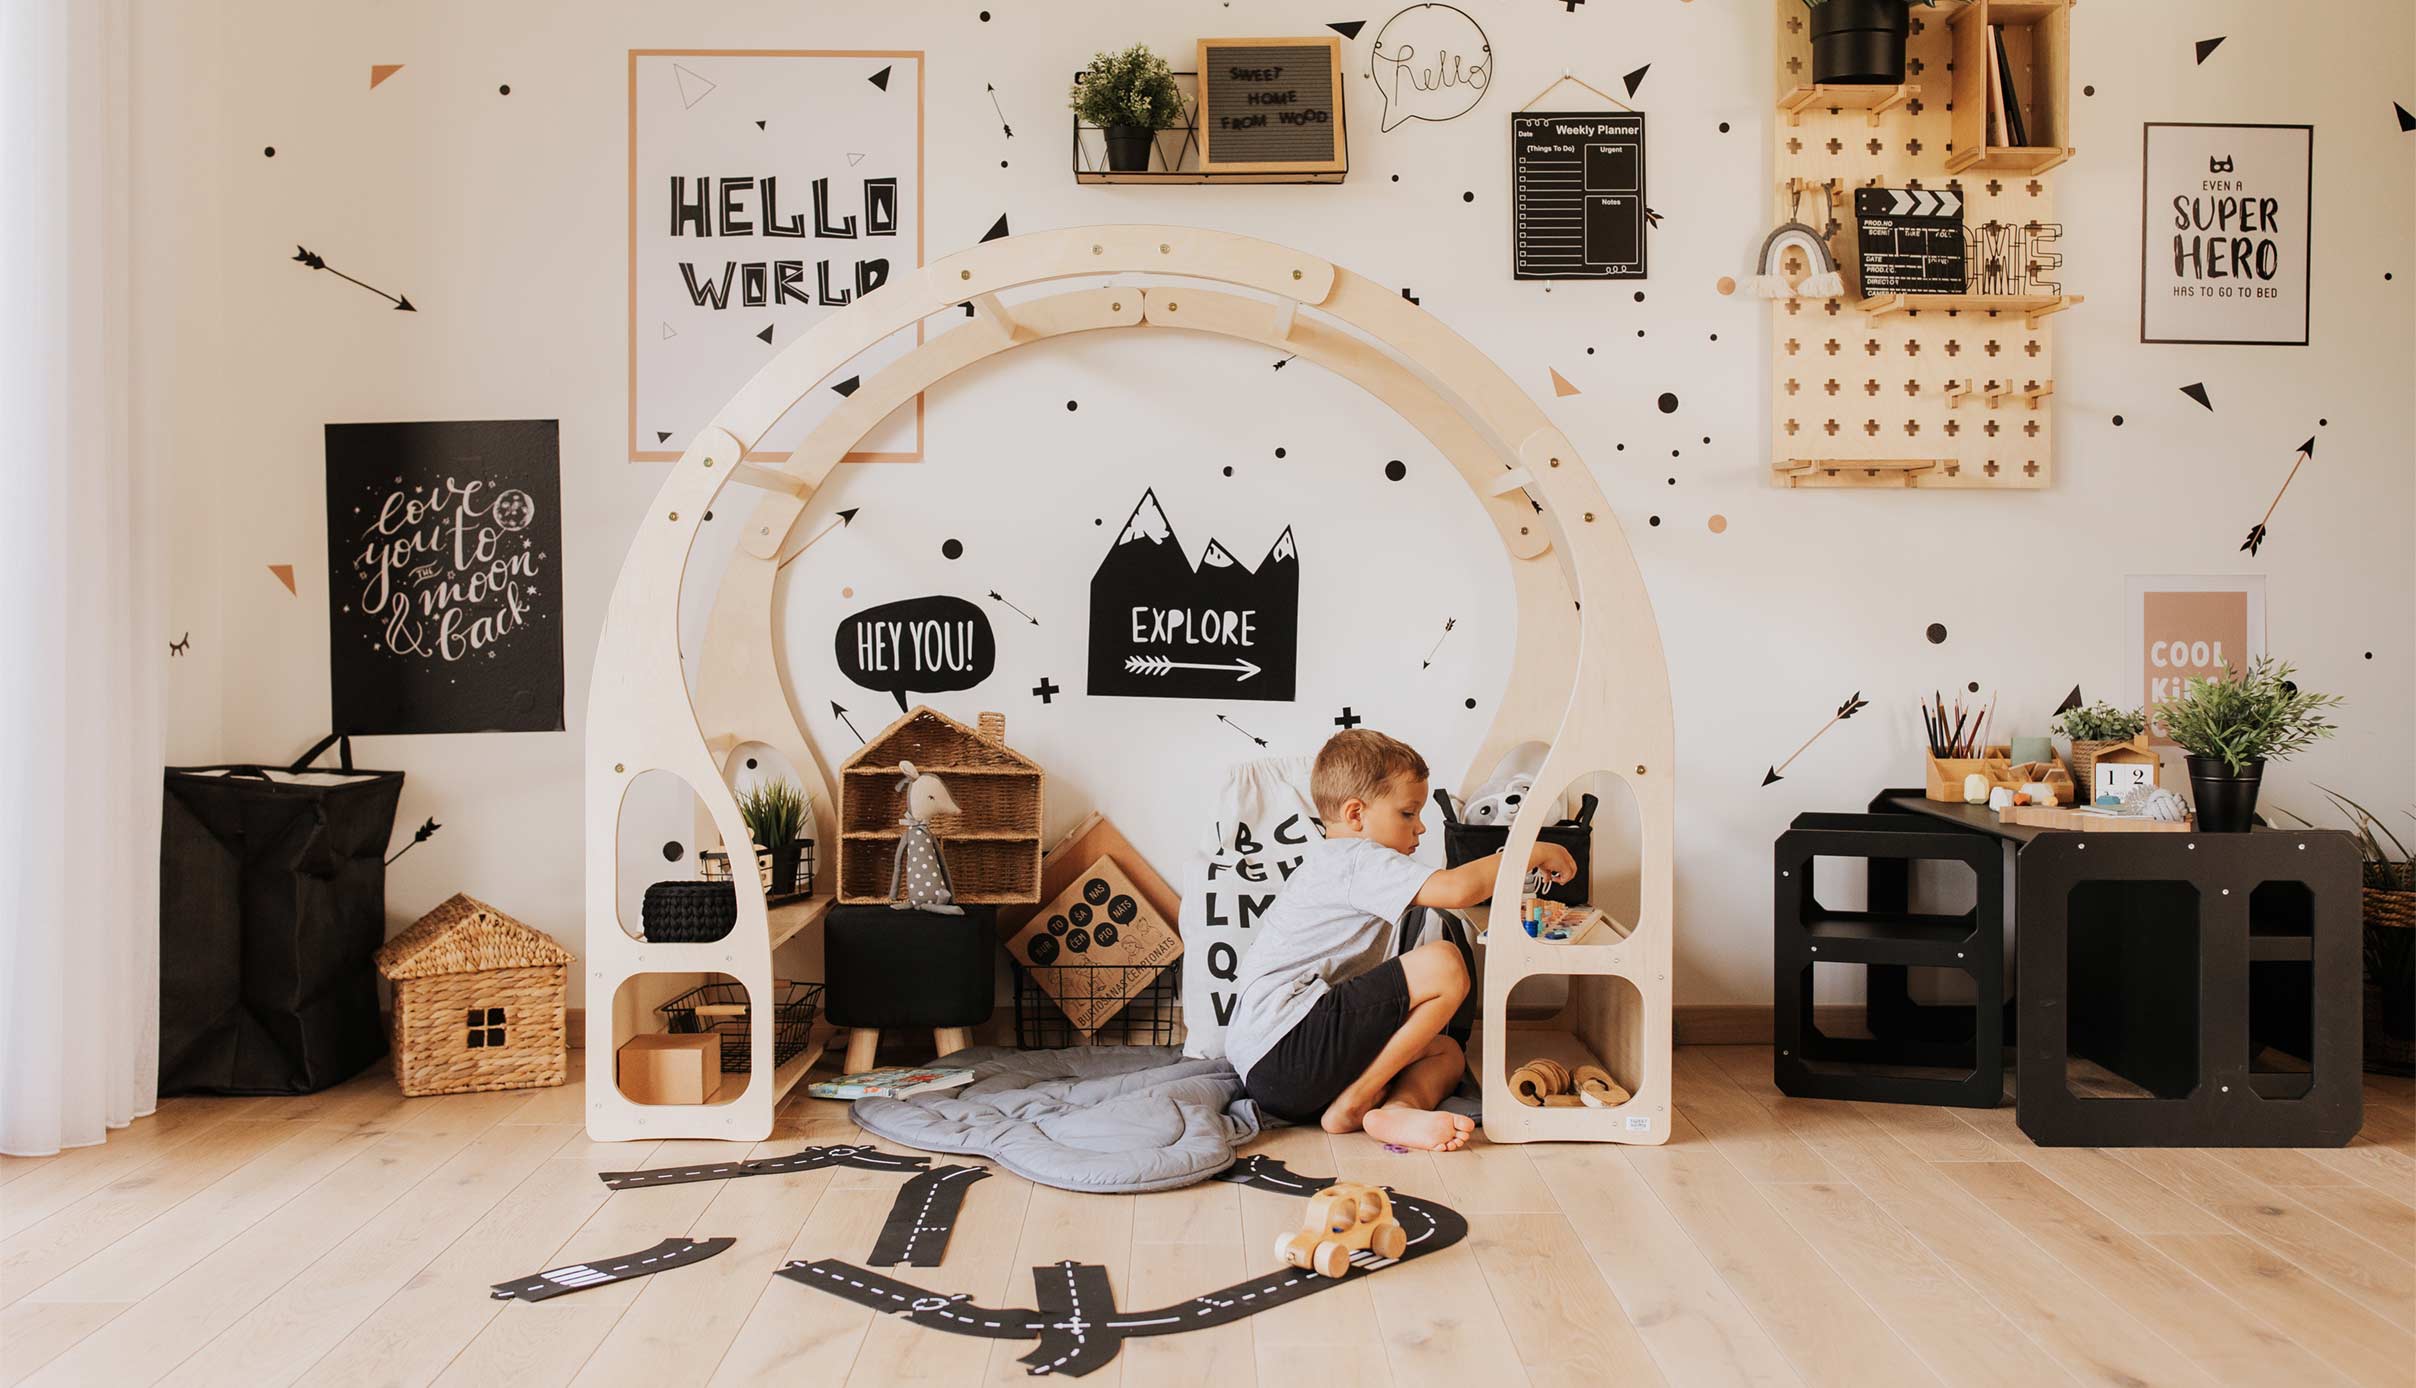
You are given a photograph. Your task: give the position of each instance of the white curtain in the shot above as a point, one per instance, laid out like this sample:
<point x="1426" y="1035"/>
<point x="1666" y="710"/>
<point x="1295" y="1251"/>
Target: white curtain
<point x="82" y="646"/>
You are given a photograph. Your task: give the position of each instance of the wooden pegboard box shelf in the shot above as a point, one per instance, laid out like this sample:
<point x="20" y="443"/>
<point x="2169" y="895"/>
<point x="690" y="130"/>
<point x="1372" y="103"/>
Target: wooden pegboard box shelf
<point x="2032" y="307"/>
<point x="2037" y="36"/>
<point x="1852" y="472"/>
<point x="1872" y="101"/>
<point x="2014" y="159"/>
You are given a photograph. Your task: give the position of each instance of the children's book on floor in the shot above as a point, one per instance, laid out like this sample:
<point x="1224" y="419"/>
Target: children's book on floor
<point x="892" y="1082"/>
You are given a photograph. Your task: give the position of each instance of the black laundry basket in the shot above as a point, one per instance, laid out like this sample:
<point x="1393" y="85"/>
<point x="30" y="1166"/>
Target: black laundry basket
<point x="272" y="906"/>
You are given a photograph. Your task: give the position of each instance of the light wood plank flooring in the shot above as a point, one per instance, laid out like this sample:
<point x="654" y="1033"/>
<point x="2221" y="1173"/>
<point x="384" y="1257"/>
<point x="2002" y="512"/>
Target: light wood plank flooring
<point x="348" y="1238"/>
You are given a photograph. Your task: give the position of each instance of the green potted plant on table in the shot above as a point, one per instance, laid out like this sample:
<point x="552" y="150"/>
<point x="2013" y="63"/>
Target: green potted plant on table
<point x="775" y="814"/>
<point x="1130" y="96"/>
<point x="1860" y="43"/>
<point x="2093" y="730"/>
<point x="2232" y="726"/>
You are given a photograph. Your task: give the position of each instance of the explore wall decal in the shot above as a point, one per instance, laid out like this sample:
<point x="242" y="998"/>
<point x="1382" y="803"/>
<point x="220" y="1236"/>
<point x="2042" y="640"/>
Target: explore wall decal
<point x="1163" y="627"/>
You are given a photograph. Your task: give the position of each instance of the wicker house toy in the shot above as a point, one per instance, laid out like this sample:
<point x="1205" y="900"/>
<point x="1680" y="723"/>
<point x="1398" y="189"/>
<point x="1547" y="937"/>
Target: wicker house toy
<point x="477" y="1002"/>
<point x="991" y="846"/>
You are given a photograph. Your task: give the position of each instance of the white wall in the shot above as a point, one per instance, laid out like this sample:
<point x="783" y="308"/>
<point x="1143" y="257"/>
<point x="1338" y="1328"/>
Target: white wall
<point x="503" y="218"/>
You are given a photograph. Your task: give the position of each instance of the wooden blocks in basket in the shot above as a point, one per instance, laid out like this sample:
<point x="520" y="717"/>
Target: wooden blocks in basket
<point x="992" y="849"/>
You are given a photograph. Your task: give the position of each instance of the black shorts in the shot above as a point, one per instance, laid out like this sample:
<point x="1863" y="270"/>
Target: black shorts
<point x="1333" y="1045"/>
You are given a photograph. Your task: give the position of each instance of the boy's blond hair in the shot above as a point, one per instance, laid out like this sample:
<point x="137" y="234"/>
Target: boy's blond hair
<point x="1358" y="764"/>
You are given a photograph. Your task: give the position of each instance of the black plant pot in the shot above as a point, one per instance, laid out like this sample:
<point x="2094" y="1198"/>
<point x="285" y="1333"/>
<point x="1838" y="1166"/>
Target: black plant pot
<point x="1859" y="42"/>
<point x="2227" y="802"/>
<point x="1128" y="148"/>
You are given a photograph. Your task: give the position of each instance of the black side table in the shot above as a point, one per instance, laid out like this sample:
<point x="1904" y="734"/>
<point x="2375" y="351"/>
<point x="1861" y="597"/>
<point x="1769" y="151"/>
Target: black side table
<point x="2176" y="961"/>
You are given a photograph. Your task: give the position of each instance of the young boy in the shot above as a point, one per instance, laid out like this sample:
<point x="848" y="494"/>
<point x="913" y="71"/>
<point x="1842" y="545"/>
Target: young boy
<point x="1327" y="1028"/>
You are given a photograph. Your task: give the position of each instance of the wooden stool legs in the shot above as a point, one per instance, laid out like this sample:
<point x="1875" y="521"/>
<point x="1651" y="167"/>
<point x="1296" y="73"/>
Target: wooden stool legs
<point x="864" y="1042"/>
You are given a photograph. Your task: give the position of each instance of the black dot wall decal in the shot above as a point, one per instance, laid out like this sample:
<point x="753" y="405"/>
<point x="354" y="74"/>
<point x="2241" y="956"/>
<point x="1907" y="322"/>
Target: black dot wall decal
<point x="1396" y="178"/>
<point x="1973" y="687"/>
<point x="1639" y="296"/>
<point x="1471" y="703"/>
<point x="952" y="549"/>
<point x="1655" y="520"/>
<point x="2323" y="424"/>
<point x="1468" y="197"/>
<point x="1673" y="481"/>
<point x="2118" y="421"/>
<point x="1228" y="472"/>
<point x="1936" y="633"/>
<point x="985" y="16"/>
<point x="1279" y="452"/>
<point x="504" y="90"/>
<point x="2369" y="655"/>
<point x="673" y="851"/>
<point x="271" y="153"/>
<point x="1668" y="402"/>
<point x="2088" y="91"/>
<point x="1589" y="351"/>
<point x="1723" y="127"/>
<point x="751" y="763"/>
<point x="1072" y="405"/>
<point x="1395" y="470"/>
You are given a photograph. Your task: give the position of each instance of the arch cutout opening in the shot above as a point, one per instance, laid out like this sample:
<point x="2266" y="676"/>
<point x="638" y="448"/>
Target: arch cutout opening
<point x="1577" y="1020"/>
<point x="663" y="834"/>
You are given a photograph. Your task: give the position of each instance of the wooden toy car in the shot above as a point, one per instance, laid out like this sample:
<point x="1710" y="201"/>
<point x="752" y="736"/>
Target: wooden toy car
<point x="1343" y="1218"/>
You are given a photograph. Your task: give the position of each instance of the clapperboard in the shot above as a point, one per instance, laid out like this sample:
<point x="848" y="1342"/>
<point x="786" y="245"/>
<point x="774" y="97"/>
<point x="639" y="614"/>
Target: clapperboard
<point x="1577" y="195"/>
<point x="1909" y="241"/>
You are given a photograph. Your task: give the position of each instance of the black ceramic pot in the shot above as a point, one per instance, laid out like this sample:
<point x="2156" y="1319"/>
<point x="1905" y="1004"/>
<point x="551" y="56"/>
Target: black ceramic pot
<point x="1128" y="148"/>
<point x="785" y="864"/>
<point x="1859" y="42"/>
<point x="2227" y="801"/>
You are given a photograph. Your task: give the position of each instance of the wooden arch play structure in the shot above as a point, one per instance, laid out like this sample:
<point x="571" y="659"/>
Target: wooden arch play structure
<point x="1590" y="680"/>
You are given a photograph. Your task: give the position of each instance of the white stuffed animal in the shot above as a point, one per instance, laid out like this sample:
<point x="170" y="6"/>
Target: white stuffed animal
<point x="918" y="866"/>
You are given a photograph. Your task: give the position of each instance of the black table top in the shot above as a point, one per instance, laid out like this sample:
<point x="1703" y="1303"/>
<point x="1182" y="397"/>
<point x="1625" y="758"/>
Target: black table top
<point x="1978" y="818"/>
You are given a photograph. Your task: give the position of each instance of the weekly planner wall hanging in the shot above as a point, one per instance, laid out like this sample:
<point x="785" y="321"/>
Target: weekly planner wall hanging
<point x="444" y="609"/>
<point x="767" y="190"/>
<point x="1577" y="191"/>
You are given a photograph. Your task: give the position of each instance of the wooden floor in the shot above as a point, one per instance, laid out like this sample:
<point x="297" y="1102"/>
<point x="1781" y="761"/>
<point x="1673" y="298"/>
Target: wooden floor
<point x="349" y="1238"/>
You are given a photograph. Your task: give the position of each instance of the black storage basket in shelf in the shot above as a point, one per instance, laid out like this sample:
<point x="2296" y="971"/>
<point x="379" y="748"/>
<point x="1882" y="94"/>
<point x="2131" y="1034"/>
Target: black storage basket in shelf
<point x="688" y="913"/>
<point x="1151" y="1018"/>
<point x="1467" y="842"/>
<point x="794" y="1007"/>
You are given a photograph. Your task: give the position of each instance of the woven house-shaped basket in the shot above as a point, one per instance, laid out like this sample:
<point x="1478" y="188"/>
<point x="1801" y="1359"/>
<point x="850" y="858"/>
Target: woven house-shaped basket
<point x="992" y="849"/>
<point x="478" y="1002"/>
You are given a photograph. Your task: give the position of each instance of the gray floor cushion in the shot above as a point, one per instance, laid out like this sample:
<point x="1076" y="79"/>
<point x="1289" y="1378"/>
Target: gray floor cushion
<point x="1096" y="1118"/>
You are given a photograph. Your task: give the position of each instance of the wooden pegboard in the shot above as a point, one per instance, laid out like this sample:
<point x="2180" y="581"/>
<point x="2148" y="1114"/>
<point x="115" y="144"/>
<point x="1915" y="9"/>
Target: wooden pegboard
<point x="1959" y="391"/>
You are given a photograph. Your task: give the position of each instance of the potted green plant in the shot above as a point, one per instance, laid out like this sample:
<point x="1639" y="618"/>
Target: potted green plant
<point x="1860" y="42"/>
<point x="1130" y="96"/>
<point x="775" y="813"/>
<point x="2390" y="920"/>
<point x="2093" y="730"/>
<point x="2232" y="726"/>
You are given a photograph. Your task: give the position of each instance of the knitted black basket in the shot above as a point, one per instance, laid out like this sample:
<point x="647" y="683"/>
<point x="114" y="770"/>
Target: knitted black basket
<point x="689" y="913"/>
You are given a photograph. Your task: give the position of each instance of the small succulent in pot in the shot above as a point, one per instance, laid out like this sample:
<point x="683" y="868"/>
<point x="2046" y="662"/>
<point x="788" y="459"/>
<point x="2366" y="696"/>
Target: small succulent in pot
<point x="1860" y="42"/>
<point x="2232" y="726"/>
<point x="1130" y="96"/>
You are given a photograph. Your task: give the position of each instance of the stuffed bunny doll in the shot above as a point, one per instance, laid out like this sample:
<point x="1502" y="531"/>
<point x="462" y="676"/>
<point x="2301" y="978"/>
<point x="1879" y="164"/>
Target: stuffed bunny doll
<point x="918" y="865"/>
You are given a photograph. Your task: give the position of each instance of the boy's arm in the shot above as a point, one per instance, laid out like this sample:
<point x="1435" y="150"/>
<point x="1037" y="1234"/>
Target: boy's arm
<point x="1472" y="882"/>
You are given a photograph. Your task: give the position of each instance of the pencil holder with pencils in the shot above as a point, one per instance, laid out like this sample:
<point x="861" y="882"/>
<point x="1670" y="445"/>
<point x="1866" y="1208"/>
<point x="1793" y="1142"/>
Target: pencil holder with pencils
<point x="1946" y="774"/>
<point x="1959" y="748"/>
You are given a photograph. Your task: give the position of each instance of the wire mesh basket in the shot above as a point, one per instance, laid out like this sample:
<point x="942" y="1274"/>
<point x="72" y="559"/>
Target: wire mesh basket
<point x="1152" y="1017"/>
<point x="713" y="864"/>
<point x="722" y="1007"/>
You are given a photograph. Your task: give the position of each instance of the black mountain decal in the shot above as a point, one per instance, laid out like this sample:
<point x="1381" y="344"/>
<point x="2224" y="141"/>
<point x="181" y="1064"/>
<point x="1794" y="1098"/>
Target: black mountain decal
<point x="1163" y="627"/>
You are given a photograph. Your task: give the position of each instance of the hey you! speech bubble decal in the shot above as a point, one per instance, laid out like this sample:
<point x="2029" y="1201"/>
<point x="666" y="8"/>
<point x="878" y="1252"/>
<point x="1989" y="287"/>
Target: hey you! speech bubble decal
<point x="928" y="645"/>
<point x="1430" y="62"/>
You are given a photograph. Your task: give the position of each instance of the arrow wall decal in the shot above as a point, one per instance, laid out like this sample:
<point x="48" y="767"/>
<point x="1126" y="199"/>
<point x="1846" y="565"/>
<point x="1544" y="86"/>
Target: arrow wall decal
<point x="2256" y="533"/>
<point x="994" y="597"/>
<point x="1242" y="730"/>
<point x="1854" y="704"/>
<point x="318" y="262"/>
<point x="1159" y="665"/>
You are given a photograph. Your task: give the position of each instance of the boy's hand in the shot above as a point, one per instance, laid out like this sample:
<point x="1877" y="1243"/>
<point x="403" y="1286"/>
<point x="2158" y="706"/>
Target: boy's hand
<point x="1554" y="860"/>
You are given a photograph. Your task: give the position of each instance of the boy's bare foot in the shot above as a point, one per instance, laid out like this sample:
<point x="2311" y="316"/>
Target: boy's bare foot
<point x="1431" y="1129"/>
<point x="1348" y="1111"/>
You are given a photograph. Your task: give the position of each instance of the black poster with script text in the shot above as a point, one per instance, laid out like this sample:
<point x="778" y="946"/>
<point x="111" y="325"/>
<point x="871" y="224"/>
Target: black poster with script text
<point x="444" y="543"/>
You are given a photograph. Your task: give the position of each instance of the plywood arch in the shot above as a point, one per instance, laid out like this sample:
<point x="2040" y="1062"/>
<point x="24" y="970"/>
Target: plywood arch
<point x="1585" y="624"/>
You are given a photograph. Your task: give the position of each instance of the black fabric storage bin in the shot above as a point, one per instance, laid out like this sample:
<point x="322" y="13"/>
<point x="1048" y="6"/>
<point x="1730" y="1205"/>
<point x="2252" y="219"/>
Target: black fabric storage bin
<point x="272" y="906"/>
<point x="885" y="968"/>
<point x="1464" y="843"/>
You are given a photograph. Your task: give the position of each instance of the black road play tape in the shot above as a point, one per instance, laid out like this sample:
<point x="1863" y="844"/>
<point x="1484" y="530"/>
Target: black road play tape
<point x="596" y="1272"/>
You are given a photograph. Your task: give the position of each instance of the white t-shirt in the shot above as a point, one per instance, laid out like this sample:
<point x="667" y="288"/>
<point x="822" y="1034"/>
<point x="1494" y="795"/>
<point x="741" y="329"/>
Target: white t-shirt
<point x="1334" y="922"/>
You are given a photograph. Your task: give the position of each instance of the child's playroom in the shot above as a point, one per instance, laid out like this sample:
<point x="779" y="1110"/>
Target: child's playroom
<point x="1518" y="692"/>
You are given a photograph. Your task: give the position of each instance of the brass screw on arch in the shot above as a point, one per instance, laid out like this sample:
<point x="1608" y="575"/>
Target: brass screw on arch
<point x="1639" y="769"/>
<point x="618" y="768"/>
<point x="1171" y="305"/>
<point x="1589" y="517"/>
<point x="964" y="274"/>
<point x="675" y="515"/>
<point x="1296" y="274"/>
<point x="708" y="462"/>
<point x="1556" y="462"/>
<point x="1115" y="306"/>
<point x="1096" y="250"/>
<point x="1164" y="249"/>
